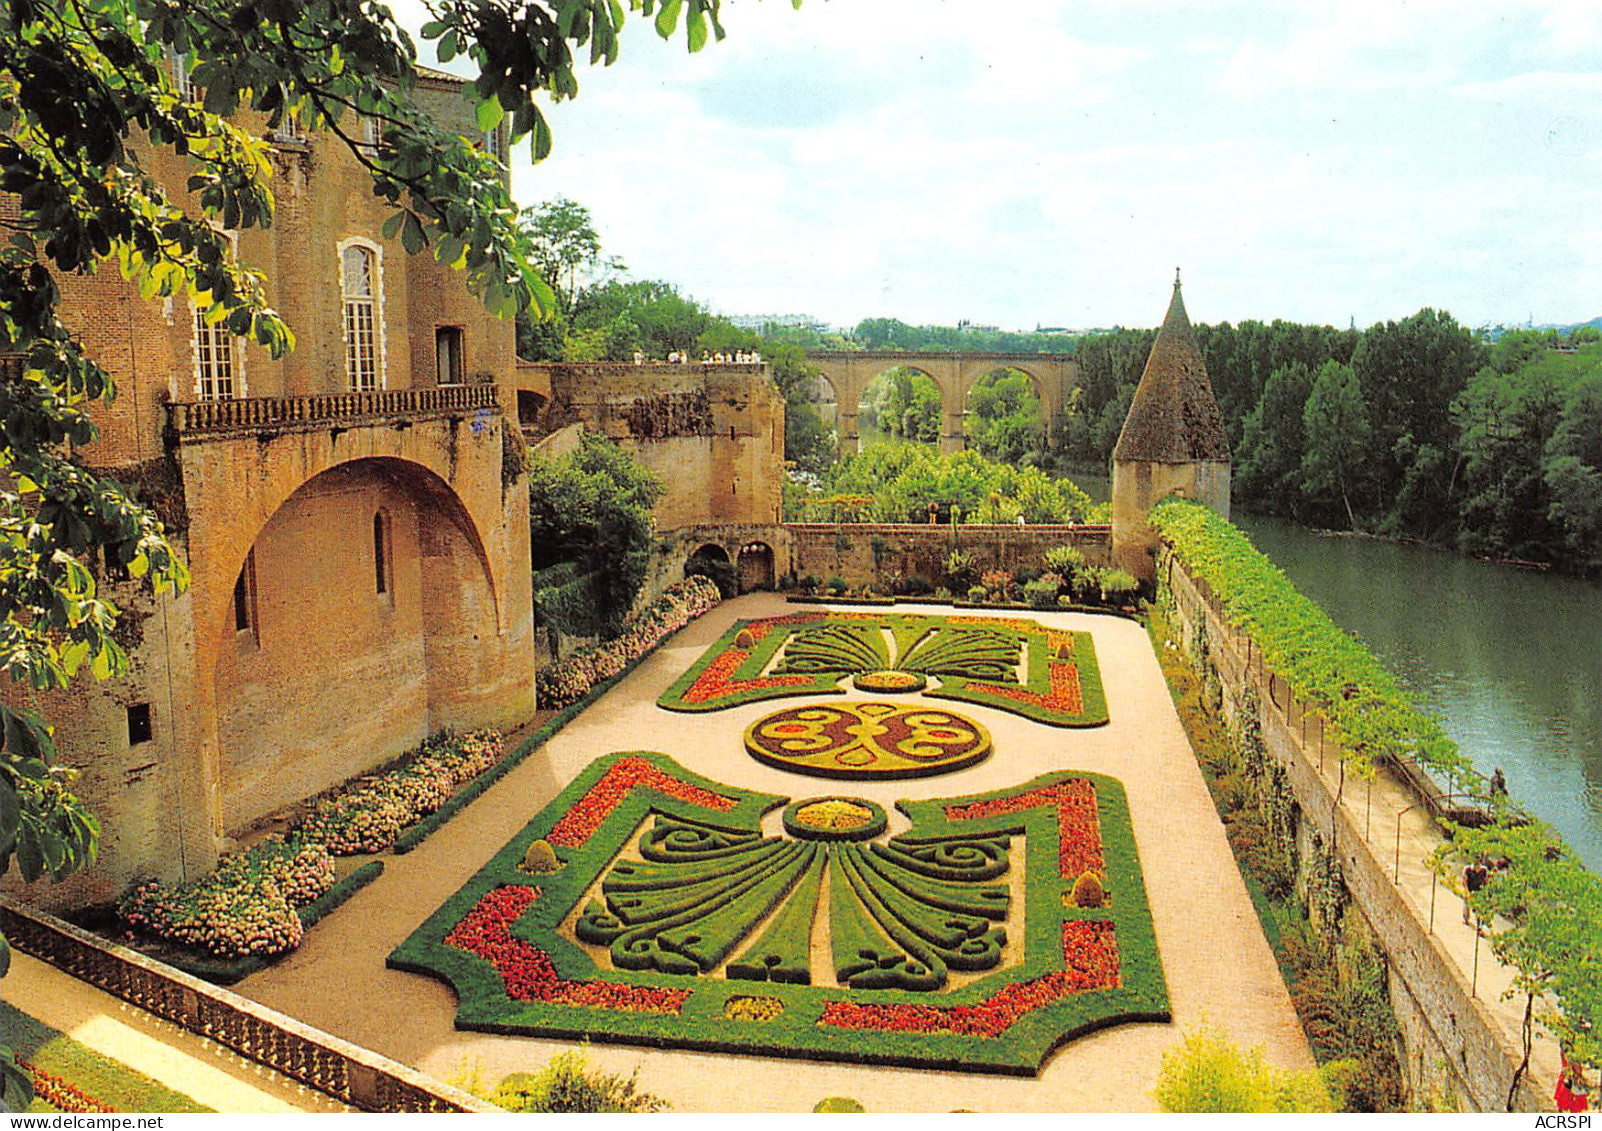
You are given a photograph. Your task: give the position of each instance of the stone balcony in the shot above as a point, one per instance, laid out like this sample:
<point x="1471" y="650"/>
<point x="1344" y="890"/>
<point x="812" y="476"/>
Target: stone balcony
<point x="193" y="421"/>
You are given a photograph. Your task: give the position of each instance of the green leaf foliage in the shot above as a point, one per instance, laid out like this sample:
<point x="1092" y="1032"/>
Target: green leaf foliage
<point x="1366" y="714"/>
<point x="590" y="511"/>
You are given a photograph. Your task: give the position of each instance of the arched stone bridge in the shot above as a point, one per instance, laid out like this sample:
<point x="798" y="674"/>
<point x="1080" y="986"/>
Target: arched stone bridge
<point x="1055" y="377"/>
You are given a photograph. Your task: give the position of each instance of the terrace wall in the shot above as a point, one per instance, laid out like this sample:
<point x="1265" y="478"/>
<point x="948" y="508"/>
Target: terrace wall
<point x="1450" y="1035"/>
<point x="869" y="553"/>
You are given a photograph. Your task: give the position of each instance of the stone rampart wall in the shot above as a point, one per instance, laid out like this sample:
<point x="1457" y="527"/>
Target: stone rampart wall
<point x="1446" y="1027"/>
<point x="874" y="553"/>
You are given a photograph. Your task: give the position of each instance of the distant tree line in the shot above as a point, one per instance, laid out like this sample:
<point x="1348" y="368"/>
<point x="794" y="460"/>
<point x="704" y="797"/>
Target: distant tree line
<point x="1415" y="428"/>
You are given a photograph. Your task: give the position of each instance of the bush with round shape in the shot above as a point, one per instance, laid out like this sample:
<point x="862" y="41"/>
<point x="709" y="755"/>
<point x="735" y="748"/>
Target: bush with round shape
<point x="540" y="859"/>
<point x="1090" y="890"/>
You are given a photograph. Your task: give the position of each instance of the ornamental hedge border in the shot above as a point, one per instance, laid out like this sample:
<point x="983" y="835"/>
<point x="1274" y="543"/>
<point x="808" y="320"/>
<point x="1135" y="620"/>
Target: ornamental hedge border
<point x="1032" y="1006"/>
<point x="1064" y="693"/>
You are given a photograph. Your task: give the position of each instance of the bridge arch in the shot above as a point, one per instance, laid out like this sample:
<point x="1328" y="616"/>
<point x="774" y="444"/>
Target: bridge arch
<point x="848" y="372"/>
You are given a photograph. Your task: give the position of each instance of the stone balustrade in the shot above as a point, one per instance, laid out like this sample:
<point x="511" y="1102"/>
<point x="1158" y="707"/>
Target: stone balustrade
<point x="199" y="419"/>
<point x="335" y="1067"/>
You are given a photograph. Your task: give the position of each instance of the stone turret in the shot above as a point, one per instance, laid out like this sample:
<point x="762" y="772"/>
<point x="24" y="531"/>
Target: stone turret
<point x="1173" y="442"/>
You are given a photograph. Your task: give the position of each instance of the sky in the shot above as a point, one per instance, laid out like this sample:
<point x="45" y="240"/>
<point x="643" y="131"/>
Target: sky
<point x="1051" y="163"/>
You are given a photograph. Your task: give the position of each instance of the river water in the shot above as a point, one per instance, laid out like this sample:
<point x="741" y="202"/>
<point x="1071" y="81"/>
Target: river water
<point x="1510" y="659"/>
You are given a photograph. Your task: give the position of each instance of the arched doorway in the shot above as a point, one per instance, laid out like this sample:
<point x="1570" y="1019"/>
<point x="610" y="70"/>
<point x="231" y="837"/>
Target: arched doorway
<point x="712" y="560"/>
<point x="756" y="567"/>
<point x="361" y="619"/>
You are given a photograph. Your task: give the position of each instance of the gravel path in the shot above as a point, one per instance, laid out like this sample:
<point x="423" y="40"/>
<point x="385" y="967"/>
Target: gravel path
<point x="1218" y="965"/>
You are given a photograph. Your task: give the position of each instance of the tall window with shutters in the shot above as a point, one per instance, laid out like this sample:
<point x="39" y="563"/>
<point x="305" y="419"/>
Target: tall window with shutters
<point x="359" y="279"/>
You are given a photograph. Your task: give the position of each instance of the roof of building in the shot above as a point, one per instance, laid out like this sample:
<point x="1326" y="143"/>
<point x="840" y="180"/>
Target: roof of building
<point x="1173" y="418"/>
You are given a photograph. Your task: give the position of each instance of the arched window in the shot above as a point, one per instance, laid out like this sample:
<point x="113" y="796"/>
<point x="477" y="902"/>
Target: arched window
<point x="381" y="565"/>
<point x="359" y="279"/>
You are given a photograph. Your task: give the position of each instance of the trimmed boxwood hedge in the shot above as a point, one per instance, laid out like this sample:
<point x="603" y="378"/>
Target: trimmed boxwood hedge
<point x="694" y="1015"/>
<point x="1015" y="698"/>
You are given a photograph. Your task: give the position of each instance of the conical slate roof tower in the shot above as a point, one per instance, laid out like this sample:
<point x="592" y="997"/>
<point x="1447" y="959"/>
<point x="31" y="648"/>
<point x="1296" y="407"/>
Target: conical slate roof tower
<point x="1173" y="441"/>
<point x="1174" y="418"/>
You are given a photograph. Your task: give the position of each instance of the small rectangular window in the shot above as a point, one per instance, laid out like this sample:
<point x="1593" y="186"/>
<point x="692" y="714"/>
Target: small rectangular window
<point x="214" y="360"/>
<point x="448" y="355"/>
<point x="139" y="729"/>
<point x="245" y="596"/>
<point x="495" y="145"/>
<point x="381" y="552"/>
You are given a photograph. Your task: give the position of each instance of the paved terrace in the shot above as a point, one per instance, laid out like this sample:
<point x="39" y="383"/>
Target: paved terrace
<point x="1218" y="966"/>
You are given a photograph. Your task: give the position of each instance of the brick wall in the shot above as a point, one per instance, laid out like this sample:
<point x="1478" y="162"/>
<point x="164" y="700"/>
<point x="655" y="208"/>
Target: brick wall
<point x="868" y="553"/>
<point x="1449" y="1033"/>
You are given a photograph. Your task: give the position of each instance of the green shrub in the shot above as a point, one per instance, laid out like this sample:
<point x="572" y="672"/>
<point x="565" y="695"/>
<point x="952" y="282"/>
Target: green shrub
<point x="835" y="585"/>
<point x="1207" y="1073"/>
<point x="719" y="570"/>
<point x="569" y="1084"/>
<point x="836" y="1104"/>
<point x="960" y="572"/>
<point x="1041" y="593"/>
<point x="976" y="593"/>
<point x="1090" y="890"/>
<point x="1118" y="586"/>
<point x="1086" y="582"/>
<point x="1064" y="560"/>
<point x="914" y="585"/>
<point x="540" y="859"/>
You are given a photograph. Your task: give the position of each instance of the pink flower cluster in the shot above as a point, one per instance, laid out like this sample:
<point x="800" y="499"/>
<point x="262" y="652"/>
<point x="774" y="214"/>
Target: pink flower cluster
<point x="367" y="815"/>
<point x="568" y="681"/>
<point x="247" y="905"/>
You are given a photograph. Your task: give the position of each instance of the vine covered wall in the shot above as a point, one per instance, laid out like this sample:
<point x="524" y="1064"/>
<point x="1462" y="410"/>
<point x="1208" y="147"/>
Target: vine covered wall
<point x="1447" y="1041"/>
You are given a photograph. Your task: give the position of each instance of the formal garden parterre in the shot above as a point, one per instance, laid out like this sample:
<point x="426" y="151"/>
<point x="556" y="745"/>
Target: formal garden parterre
<point x="871" y="740"/>
<point x="659" y="913"/>
<point x="1048" y="675"/>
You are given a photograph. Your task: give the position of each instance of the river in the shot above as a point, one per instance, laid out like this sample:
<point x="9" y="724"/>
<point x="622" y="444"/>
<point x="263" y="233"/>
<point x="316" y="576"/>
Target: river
<point x="1509" y="659"/>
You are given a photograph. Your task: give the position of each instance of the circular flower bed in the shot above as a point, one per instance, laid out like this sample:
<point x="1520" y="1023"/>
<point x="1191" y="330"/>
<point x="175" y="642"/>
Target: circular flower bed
<point x="890" y="682"/>
<point x="875" y="740"/>
<point x="834" y="818"/>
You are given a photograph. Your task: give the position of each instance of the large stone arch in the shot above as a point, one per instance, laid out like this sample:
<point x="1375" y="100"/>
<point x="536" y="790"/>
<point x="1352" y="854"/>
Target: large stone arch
<point x="936" y="373"/>
<point x="356" y="631"/>
<point x="452" y="469"/>
<point x="1044" y="390"/>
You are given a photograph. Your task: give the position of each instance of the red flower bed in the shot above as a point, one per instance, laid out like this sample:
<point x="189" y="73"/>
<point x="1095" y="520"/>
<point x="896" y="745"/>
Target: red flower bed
<point x="1078" y="826"/>
<point x="1064" y="695"/>
<point x="61" y="1095"/>
<point x="527" y="971"/>
<point x="607" y="794"/>
<point x="1090" y="962"/>
<point x="714" y="681"/>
